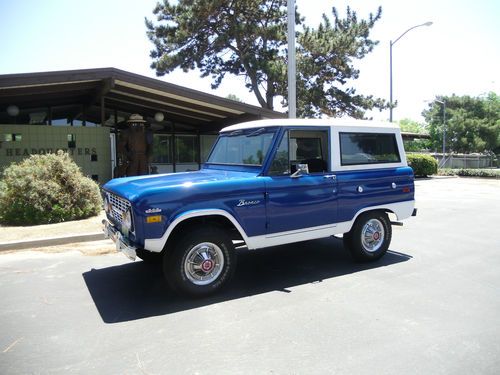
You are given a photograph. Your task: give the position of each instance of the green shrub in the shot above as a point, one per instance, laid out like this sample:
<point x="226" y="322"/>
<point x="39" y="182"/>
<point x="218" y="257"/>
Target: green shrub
<point x="423" y="165"/>
<point x="46" y="189"/>
<point x="447" y="172"/>
<point x="470" y="172"/>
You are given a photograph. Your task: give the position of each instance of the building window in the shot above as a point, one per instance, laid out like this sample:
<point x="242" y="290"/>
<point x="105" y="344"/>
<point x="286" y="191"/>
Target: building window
<point x="13" y="137"/>
<point x="71" y="141"/>
<point x="38" y="118"/>
<point x="162" y="149"/>
<point x="207" y="142"/>
<point x="186" y="149"/>
<point x="62" y="115"/>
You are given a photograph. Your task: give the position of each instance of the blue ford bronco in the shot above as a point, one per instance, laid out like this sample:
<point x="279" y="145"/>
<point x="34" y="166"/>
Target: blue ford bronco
<point x="265" y="183"/>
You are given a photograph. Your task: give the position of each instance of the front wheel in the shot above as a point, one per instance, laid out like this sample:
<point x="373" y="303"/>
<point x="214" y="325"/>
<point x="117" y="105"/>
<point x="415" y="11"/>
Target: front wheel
<point x="369" y="237"/>
<point x="201" y="262"/>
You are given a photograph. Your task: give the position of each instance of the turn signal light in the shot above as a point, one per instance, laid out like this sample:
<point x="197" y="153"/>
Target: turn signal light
<point x="153" y="219"/>
<point x="406" y="189"/>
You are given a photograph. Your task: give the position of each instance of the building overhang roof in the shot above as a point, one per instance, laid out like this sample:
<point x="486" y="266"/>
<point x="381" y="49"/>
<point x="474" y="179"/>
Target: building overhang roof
<point x="125" y="90"/>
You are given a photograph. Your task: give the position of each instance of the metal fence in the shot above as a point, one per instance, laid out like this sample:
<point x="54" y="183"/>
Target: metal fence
<point x="472" y="161"/>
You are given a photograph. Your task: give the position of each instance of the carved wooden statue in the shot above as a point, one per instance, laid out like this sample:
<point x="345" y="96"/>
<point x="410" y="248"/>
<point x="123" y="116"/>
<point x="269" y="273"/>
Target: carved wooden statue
<point x="134" y="148"/>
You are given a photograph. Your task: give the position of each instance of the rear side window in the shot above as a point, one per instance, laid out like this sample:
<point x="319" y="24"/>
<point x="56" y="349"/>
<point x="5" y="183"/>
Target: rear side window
<point x="368" y="148"/>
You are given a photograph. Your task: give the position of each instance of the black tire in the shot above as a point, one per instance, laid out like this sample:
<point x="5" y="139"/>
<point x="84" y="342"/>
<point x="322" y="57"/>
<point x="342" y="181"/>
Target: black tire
<point x="201" y="262"/>
<point x="149" y="257"/>
<point x="369" y="237"/>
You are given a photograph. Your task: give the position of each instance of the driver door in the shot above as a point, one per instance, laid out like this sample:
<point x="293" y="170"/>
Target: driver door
<point x="298" y="200"/>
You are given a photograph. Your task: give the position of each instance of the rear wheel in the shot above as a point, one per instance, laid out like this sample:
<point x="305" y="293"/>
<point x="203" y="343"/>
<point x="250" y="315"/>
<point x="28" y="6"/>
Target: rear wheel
<point x="201" y="262"/>
<point x="369" y="237"/>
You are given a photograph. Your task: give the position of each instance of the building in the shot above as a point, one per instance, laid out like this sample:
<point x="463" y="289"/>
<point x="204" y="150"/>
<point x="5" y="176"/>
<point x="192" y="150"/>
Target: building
<point x="83" y="111"/>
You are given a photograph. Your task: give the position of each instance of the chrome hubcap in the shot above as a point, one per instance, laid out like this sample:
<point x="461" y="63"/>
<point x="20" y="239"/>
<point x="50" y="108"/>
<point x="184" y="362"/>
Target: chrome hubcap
<point x="204" y="263"/>
<point x="372" y="235"/>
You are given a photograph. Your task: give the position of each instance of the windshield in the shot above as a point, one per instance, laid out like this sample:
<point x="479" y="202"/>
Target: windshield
<point x="242" y="147"/>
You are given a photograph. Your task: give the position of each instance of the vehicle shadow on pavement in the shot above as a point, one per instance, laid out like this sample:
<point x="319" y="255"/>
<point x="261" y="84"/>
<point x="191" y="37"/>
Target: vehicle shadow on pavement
<point x="137" y="290"/>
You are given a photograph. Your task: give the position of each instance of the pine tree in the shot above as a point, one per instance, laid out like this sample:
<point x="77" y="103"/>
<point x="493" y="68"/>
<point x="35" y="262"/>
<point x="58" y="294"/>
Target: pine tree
<point x="248" y="38"/>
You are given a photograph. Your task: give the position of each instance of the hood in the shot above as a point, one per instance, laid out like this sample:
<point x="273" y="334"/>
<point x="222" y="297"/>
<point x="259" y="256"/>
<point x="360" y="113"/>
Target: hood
<point x="132" y="188"/>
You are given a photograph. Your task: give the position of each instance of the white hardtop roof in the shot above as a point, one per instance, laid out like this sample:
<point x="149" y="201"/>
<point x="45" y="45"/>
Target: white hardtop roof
<point x="312" y="122"/>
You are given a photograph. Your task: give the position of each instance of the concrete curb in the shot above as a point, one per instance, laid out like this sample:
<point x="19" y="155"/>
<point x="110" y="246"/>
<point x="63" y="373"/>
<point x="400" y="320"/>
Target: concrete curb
<point x="44" y="242"/>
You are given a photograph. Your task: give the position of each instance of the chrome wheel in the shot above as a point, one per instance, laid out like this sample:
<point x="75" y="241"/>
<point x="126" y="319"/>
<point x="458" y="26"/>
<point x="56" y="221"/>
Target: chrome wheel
<point x="204" y="263"/>
<point x="372" y="235"/>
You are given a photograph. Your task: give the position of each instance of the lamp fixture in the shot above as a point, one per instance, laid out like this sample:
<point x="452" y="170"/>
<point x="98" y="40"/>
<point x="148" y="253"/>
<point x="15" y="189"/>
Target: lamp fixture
<point x="159" y="116"/>
<point x="13" y="110"/>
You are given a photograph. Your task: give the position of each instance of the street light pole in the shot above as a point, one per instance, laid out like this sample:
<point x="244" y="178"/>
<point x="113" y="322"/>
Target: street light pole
<point x="391" y="43"/>
<point x="292" y="94"/>
<point x="443" y="102"/>
<point x="390" y="80"/>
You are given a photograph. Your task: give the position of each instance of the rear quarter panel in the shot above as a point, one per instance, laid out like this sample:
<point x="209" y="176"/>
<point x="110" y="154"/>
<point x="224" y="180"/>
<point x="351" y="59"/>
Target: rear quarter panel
<point x="377" y="189"/>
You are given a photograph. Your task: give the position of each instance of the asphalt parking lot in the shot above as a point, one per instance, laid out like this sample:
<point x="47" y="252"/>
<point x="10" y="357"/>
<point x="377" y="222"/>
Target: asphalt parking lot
<point x="430" y="306"/>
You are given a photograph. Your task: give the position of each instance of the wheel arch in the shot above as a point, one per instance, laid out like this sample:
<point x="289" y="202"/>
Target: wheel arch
<point x="401" y="210"/>
<point x="183" y="221"/>
<point x="367" y="210"/>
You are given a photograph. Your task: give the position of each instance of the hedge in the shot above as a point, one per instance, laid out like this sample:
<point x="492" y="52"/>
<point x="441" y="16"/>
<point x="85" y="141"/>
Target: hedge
<point x="489" y="173"/>
<point x="423" y="165"/>
<point x="45" y="189"/>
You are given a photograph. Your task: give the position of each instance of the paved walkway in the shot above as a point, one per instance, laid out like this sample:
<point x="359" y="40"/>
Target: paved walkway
<point x="13" y="238"/>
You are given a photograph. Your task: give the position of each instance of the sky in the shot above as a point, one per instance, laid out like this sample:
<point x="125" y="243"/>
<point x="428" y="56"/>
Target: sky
<point x="458" y="54"/>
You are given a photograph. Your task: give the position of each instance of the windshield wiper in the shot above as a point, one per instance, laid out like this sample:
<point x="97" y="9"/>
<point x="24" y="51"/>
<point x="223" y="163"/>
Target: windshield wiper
<point x="235" y="133"/>
<point x="257" y="132"/>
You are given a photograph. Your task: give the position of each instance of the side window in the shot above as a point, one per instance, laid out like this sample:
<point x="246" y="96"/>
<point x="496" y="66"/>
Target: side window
<point x="309" y="147"/>
<point x="301" y="147"/>
<point x="368" y="148"/>
<point x="281" y="162"/>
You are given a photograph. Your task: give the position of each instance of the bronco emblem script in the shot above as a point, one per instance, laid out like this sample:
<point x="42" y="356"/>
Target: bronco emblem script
<point x="243" y="202"/>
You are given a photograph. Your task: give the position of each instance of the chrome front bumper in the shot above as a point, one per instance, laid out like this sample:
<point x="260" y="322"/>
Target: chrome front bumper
<point x="121" y="242"/>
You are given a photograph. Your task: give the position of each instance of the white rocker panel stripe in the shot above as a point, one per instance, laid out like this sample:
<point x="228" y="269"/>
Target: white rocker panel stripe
<point x="402" y="210"/>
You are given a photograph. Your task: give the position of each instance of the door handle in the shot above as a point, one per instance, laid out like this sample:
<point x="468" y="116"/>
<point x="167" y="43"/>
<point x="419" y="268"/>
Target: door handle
<point x="330" y="176"/>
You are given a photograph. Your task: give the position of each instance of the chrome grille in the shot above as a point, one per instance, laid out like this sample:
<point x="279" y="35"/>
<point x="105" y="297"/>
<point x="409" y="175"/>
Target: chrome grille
<point x="118" y="206"/>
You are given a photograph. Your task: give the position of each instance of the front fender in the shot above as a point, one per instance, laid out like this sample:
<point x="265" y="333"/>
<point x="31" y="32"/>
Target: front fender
<point x="158" y="244"/>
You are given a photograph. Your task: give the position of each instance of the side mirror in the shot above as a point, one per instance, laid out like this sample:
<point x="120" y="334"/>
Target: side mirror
<point x="301" y="170"/>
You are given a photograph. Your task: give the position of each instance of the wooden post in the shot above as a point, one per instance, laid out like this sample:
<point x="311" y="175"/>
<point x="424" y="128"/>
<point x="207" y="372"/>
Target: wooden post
<point x="103" y="111"/>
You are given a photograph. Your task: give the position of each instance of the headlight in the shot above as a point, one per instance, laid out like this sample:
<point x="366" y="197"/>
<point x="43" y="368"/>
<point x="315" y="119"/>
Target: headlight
<point x="127" y="220"/>
<point x="107" y="205"/>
